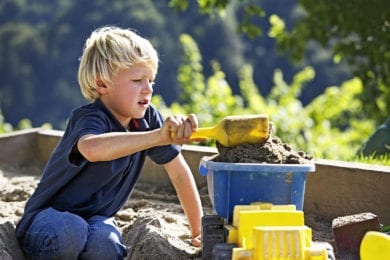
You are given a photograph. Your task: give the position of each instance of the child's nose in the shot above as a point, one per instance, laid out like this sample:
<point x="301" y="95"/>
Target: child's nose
<point x="148" y="86"/>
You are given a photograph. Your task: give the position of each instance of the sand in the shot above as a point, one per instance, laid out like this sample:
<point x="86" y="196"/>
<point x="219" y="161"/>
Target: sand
<point x="152" y="221"/>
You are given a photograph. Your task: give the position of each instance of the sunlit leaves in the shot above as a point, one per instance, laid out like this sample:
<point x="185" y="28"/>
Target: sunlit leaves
<point x="330" y="127"/>
<point x="358" y="33"/>
<point x="277" y="26"/>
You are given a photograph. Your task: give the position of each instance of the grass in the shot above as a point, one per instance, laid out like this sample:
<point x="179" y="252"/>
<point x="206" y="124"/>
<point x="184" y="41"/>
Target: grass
<point x="379" y="160"/>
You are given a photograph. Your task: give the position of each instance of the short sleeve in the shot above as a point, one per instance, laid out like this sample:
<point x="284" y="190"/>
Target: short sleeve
<point x="160" y="154"/>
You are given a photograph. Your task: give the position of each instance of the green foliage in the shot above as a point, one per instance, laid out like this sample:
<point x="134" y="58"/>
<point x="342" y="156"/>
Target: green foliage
<point x="23" y="124"/>
<point x="337" y="123"/>
<point x="247" y="25"/>
<point x="329" y="127"/>
<point x="190" y="75"/>
<point x="211" y="99"/>
<point x="4" y="126"/>
<point x="205" y="6"/>
<point x="41" y="42"/>
<point x="357" y="32"/>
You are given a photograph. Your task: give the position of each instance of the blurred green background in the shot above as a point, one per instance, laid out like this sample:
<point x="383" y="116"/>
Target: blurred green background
<point x="320" y="69"/>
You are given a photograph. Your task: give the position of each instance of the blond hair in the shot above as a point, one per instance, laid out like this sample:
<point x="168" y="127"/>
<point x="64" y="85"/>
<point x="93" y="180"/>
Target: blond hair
<point x="109" y="49"/>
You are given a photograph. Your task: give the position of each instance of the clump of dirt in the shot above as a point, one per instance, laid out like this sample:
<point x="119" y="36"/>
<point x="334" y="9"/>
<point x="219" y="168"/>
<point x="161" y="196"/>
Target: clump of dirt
<point x="273" y="150"/>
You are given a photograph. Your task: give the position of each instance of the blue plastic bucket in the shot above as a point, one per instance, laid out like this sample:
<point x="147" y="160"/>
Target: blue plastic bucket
<point x="231" y="184"/>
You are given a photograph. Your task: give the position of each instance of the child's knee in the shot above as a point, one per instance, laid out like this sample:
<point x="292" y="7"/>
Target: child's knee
<point x="55" y="234"/>
<point x="105" y="247"/>
<point x="105" y="238"/>
<point x="51" y="243"/>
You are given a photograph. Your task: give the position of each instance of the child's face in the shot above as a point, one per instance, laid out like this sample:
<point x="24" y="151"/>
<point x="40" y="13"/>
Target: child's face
<point x="130" y="93"/>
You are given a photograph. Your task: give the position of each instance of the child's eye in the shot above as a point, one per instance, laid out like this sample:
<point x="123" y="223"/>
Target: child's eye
<point x="139" y="81"/>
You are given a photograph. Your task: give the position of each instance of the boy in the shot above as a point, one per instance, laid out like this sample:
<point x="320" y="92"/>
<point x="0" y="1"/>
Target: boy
<point x="94" y="168"/>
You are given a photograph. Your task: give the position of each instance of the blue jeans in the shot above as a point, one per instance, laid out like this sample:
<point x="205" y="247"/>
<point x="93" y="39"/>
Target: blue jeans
<point x="62" y="235"/>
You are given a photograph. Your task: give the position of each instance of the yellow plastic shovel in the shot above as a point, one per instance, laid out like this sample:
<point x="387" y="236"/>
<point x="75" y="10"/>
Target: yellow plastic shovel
<point x="236" y="130"/>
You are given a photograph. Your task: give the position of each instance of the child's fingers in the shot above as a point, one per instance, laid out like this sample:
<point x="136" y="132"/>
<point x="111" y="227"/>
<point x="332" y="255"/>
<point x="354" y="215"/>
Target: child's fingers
<point x="193" y="120"/>
<point x="196" y="241"/>
<point x="181" y="127"/>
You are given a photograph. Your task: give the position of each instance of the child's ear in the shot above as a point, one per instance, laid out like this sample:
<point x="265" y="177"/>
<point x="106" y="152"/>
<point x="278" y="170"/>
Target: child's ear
<point x="101" y="87"/>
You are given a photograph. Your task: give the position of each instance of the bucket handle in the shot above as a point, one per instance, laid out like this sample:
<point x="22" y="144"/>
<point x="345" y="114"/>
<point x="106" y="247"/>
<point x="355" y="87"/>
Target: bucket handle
<point x="202" y="169"/>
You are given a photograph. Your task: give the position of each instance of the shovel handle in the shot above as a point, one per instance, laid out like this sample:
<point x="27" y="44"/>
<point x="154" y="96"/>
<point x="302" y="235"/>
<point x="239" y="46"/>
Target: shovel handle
<point x="204" y="133"/>
<point x="201" y="133"/>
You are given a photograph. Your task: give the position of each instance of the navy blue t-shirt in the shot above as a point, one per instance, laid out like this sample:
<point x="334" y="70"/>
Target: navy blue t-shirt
<point x="70" y="183"/>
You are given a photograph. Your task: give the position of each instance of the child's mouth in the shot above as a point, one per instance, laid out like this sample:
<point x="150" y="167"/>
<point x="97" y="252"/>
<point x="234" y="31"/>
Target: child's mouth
<point x="144" y="102"/>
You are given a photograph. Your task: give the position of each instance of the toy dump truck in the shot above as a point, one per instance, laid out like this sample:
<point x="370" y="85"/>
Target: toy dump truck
<point x="259" y="213"/>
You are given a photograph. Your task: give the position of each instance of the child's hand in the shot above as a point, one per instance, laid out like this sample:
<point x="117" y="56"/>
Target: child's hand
<point x="196" y="241"/>
<point x="178" y="129"/>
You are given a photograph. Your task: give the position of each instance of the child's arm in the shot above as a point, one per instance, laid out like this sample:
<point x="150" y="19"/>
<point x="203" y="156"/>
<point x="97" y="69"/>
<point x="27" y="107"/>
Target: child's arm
<point x="182" y="179"/>
<point x="111" y="146"/>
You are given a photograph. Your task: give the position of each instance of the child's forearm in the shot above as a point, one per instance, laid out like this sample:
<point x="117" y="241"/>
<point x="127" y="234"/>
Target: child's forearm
<point x="190" y="201"/>
<point x="111" y="146"/>
<point x="187" y="192"/>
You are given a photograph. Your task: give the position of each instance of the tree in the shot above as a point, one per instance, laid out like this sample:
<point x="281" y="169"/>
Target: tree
<point x="328" y="127"/>
<point x="357" y="32"/>
<point x="41" y="42"/>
